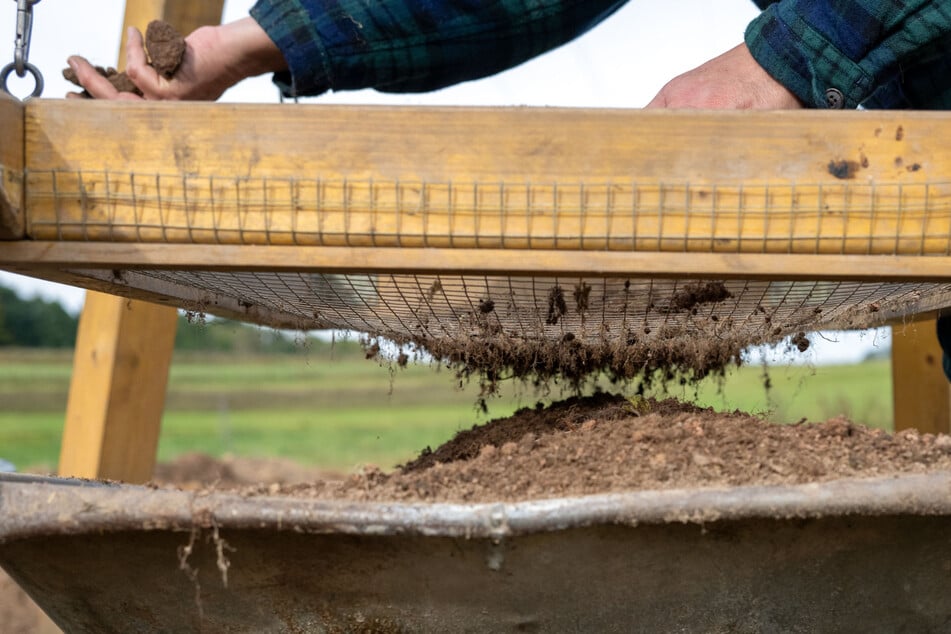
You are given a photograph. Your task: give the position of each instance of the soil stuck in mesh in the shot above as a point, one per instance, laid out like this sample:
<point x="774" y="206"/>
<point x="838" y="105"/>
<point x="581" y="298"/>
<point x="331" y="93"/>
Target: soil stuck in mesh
<point x="607" y="443"/>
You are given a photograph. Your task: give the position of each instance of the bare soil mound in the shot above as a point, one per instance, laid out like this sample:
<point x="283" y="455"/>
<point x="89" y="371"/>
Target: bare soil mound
<point x="199" y="471"/>
<point x="605" y="443"/>
<point x="18" y="613"/>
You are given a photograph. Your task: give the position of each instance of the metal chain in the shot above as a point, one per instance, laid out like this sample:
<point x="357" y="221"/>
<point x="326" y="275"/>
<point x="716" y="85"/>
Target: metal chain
<point x="21" y="51"/>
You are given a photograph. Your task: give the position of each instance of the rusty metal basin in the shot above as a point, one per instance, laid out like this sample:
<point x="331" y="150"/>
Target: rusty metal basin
<point x="870" y="555"/>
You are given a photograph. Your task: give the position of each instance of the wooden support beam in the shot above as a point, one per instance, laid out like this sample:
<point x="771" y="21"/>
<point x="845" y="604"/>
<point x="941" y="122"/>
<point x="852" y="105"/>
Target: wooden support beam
<point x="922" y="393"/>
<point x="802" y="182"/>
<point x="29" y="258"/>
<point x="124" y="347"/>
<point x="118" y="391"/>
<point x="12" y="223"/>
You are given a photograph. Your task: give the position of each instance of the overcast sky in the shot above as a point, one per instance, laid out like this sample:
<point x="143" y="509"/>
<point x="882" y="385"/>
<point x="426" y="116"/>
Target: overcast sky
<point x="621" y="63"/>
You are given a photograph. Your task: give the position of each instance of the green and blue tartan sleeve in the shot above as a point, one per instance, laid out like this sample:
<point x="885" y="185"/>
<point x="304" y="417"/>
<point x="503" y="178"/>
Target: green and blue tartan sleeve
<point x="876" y="53"/>
<point x="415" y="45"/>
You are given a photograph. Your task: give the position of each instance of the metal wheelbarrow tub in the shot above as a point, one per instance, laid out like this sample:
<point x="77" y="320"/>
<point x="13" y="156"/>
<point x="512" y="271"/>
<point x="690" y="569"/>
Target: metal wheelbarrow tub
<point x="869" y="555"/>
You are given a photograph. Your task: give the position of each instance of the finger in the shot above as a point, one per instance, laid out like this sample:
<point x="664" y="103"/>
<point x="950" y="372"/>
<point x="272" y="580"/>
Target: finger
<point x="137" y="66"/>
<point x="94" y="83"/>
<point x="77" y="95"/>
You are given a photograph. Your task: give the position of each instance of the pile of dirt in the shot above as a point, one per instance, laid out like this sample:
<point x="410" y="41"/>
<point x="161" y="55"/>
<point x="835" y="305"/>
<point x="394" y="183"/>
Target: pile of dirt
<point x="606" y="443"/>
<point x="18" y="613"/>
<point x="164" y="47"/>
<point x="192" y="471"/>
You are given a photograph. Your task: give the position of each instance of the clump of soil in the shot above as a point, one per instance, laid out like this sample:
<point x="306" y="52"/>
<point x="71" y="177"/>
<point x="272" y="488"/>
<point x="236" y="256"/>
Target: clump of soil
<point x="165" y="49"/>
<point x="493" y="355"/>
<point x="119" y="81"/>
<point x="801" y="341"/>
<point x="695" y="294"/>
<point x="607" y="443"/>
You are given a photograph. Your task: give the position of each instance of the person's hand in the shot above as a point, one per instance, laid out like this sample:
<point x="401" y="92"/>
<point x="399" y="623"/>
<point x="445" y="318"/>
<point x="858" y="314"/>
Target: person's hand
<point x="733" y="80"/>
<point x="216" y="58"/>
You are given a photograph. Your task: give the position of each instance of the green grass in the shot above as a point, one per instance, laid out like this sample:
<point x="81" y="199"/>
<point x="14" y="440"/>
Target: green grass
<point x="346" y="412"/>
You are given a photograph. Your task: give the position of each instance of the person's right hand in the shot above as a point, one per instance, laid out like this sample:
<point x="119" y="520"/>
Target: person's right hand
<point x="216" y="58"/>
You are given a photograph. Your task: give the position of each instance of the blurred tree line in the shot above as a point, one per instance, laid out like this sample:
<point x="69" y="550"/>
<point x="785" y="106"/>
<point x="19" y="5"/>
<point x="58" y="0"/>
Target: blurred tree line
<point x="37" y="323"/>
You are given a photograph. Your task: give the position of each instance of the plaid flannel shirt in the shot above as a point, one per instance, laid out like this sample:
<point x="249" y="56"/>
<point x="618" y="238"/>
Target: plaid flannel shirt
<point x="875" y="53"/>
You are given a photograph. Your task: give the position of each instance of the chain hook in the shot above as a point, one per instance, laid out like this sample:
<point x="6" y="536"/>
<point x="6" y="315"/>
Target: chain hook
<point x="21" y="52"/>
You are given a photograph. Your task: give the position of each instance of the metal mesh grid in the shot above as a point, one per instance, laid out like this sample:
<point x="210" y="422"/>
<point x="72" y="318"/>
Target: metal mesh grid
<point x="447" y="313"/>
<point x="483" y="323"/>
<point x="403" y="306"/>
<point x="847" y="217"/>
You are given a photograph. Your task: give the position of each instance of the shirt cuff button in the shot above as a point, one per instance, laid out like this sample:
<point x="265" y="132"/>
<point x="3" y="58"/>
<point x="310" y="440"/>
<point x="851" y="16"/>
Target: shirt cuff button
<point x="835" y="100"/>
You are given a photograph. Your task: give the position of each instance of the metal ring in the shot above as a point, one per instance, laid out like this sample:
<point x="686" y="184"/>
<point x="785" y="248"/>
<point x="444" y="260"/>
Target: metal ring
<point x="30" y="68"/>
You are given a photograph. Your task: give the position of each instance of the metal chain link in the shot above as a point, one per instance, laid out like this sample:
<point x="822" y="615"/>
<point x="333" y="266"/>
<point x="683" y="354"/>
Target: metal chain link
<point x="21" y="51"/>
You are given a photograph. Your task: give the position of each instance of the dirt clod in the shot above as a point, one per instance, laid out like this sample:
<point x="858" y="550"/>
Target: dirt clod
<point x="120" y="81"/>
<point x="801" y="341"/>
<point x="557" y="307"/>
<point x="165" y="47"/>
<point x="695" y="294"/>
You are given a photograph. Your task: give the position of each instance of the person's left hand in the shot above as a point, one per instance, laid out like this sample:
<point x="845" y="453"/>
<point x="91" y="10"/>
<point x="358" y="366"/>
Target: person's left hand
<point x="734" y="80"/>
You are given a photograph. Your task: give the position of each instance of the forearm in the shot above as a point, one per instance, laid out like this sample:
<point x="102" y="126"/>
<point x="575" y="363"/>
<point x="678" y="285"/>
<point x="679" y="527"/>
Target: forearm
<point x="247" y="51"/>
<point x="416" y="45"/>
<point x="820" y="49"/>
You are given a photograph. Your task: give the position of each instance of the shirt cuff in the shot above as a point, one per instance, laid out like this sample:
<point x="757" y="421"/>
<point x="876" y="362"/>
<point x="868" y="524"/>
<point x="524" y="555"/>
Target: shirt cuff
<point x="290" y="27"/>
<point x="804" y="61"/>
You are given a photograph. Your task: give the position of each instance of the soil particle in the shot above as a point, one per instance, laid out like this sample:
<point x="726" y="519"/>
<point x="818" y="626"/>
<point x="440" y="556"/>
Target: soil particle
<point x="844" y="169"/>
<point x="801" y="341"/>
<point x="606" y="443"/>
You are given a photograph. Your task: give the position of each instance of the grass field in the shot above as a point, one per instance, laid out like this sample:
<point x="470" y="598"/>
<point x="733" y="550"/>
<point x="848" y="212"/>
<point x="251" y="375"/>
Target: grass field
<point x="344" y="412"/>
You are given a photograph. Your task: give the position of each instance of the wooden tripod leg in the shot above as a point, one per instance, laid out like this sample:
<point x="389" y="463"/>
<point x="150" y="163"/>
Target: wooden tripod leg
<point x="120" y="372"/>
<point x="922" y="394"/>
<point x="124" y="347"/>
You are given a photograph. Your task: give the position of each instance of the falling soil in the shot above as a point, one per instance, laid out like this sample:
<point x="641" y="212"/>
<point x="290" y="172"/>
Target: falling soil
<point x="493" y="355"/>
<point x="607" y="443"/>
<point x="165" y="49"/>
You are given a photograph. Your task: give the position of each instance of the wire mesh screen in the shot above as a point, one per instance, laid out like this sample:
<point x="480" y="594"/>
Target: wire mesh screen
<point x="546" y="326"/>
<point x="845" y="217"/>
<point x="538" y="325"/>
